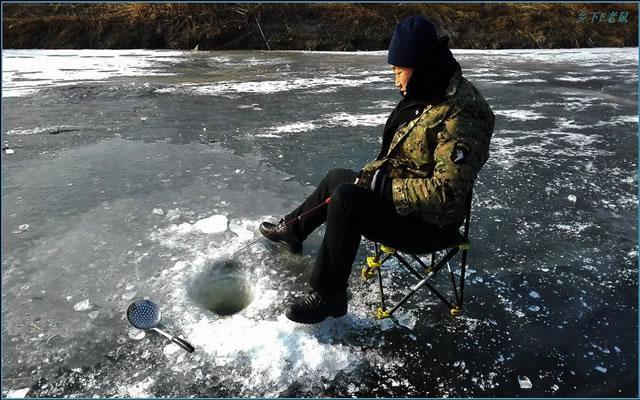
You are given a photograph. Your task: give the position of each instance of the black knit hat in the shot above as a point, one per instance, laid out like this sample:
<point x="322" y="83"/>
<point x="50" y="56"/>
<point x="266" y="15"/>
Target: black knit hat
<point x="411" y="38"/>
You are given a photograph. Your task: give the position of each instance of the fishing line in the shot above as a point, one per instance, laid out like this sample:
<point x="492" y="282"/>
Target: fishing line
<point x="298" y="218"/>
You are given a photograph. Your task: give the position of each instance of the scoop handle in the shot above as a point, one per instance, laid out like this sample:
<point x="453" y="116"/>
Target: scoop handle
<point x="179" y="341"/>
<point x="183" y="343"/>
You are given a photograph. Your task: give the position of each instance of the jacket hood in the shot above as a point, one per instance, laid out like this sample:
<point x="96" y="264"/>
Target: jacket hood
<point x="433" y="74"/>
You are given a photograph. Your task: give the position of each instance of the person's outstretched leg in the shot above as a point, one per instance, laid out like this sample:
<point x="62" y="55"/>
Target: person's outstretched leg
<point x="294" y="228"/>
<point x="307" y="224"/>
<point x="329" y="277"/>
<point x="355" y="211"/>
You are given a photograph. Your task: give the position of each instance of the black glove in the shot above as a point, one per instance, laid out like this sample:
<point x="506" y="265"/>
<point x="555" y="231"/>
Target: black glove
<point x="381" y="185"/>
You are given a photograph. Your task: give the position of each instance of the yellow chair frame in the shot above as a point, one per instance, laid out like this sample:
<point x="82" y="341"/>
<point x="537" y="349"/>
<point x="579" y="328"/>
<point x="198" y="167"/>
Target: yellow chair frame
<point x="383" y="253"/>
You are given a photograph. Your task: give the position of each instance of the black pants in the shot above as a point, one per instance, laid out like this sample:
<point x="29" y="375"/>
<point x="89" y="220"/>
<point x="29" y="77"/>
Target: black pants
<point x="356" y="211"/>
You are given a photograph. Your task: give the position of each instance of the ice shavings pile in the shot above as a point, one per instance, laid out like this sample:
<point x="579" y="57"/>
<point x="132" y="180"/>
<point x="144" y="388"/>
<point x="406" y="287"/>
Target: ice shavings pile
<point x="277" y="351"/>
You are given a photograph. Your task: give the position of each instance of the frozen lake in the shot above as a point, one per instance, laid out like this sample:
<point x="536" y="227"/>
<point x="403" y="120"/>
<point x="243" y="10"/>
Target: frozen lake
<point x="131" y="174"/>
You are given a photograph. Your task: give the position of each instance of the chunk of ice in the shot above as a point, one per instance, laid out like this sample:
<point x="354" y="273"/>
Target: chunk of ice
<point x="18" y="393"/>
<point x="179" y="266"/>
<point x="386" y="324"/>
<point x="407" y="320"/>
<point x="524" y="382"/>
<point x="158" y="211"/>
<point x="572" y="198"/>
<point x="170" y="349"/>
<point x="129" y="295"/>
<point x="534" y="308"/>
<point x="617" y="349"/>
<point x="23" y="227"/>
<point x="601" y="369"/>
<point x="534" y="294"/>
<point x="83" y="305"/>
<point x="136" y="334"/>
<point x="139" y="390"/>
<point x="173" y="214"/>
<point x="213" y="224"/>
<point x="9" y="151"/>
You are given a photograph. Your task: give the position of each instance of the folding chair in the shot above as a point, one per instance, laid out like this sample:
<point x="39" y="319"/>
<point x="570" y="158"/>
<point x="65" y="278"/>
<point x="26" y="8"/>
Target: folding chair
<point x="384" y="253"/>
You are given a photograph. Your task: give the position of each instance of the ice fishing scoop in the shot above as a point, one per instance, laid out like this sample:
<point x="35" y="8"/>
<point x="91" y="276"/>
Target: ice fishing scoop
<point x="145" y="315"/>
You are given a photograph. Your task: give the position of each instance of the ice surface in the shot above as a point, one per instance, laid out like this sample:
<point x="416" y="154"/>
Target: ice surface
<point x="49" y="68"/>
<point x="294" y="127"/>
<point x="164" y="141"/>
<point x="602" y="369"/>
<point x="268" y="86"/>
<point x="334" y="120"/>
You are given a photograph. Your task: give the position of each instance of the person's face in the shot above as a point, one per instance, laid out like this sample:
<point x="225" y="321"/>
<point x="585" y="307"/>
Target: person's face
<point x="403" y="74"/>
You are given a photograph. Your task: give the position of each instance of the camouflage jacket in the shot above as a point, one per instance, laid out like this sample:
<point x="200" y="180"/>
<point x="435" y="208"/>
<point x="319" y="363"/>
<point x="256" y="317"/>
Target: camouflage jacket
<point x="434" y="159"/>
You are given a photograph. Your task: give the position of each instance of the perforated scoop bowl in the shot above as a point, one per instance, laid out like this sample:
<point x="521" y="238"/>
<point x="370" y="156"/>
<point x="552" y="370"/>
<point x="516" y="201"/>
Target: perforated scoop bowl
<point x="145" y="314"/>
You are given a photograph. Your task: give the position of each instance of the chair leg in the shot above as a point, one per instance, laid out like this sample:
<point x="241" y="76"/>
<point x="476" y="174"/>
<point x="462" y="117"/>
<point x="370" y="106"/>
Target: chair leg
<point x="453" y="284"/>
<point x="455" y="309"/>
<point x="384" y="306"/>
<point x="463" y="268"/>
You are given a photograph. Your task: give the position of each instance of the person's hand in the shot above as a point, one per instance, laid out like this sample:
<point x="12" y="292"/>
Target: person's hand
<point x="381" y="185"/>
<point x="357" y="181"/>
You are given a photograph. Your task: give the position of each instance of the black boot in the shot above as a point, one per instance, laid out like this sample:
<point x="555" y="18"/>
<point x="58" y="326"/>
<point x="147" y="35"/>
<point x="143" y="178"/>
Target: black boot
<point x="314" y="307"/>
<point x="281" y="234"/>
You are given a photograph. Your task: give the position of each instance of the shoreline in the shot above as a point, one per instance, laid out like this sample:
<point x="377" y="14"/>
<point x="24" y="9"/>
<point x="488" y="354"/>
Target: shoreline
<point x="313" y="26"/>
<point x="337" y="52"/>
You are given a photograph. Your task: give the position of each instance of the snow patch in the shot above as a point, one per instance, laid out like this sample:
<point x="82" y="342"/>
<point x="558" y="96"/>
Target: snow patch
<point x="521" y="115"/>
<point x="274" y="349"/>
<point x="18" y="393"/>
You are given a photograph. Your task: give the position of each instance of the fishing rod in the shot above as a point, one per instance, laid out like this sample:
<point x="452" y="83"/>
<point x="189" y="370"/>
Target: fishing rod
<point x="298" y="218"/>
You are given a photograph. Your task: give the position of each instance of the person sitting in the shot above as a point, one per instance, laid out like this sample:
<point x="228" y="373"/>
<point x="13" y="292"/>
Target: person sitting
<point x="413" y="195"/>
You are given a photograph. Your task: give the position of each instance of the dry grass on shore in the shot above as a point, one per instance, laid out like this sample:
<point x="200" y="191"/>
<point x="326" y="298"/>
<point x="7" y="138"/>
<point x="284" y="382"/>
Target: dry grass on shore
<point x="312" y="26"/>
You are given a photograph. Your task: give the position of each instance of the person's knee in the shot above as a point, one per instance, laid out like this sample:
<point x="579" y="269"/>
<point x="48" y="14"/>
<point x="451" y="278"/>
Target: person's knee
<point x="336" y="174"/>
<point x="345" y="194"/>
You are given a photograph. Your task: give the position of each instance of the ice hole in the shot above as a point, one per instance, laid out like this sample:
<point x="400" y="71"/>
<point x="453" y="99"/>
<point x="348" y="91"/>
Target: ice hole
<point x="221" y="288"/>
